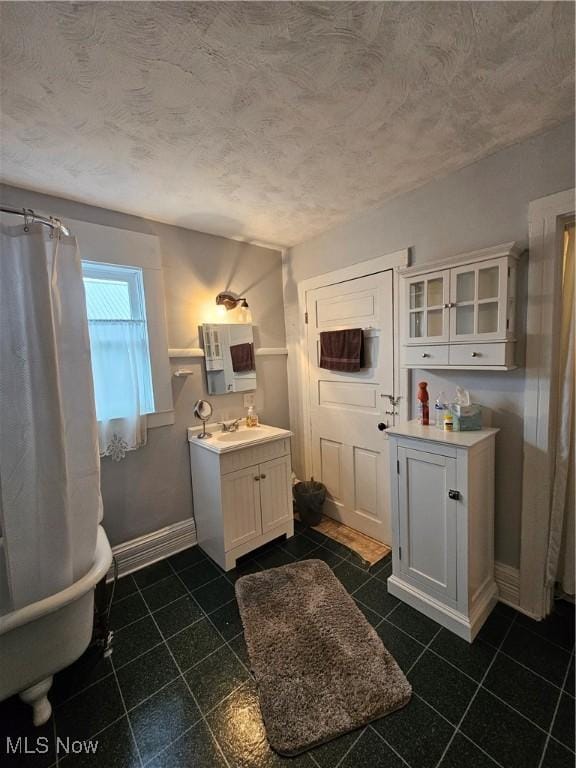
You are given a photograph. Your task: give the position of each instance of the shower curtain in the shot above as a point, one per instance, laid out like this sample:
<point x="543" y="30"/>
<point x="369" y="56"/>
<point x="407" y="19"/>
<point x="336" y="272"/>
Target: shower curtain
<point x="560" y="561"/>
<point x="50" y="503"/>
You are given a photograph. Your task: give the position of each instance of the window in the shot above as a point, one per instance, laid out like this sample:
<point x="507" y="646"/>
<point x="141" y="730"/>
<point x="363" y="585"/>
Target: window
<point x="119" y="342"/>
<point x="124" y="282"/>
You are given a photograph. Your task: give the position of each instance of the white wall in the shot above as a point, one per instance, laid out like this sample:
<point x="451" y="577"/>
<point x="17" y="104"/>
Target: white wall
<point x="151" y="488"/>
<point x="481" y="205"/>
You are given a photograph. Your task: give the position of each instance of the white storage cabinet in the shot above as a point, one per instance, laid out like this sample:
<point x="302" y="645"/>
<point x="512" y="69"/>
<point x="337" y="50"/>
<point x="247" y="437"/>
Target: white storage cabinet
<point x="442" y="487"/>
<point x="461" y="315"/>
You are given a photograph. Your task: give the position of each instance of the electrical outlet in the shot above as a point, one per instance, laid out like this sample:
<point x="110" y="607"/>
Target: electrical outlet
<point x="249" y="399"/>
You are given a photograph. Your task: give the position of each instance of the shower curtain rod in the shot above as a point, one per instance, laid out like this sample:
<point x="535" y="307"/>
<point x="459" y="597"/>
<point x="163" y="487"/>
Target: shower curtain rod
<point x="28" y="213"/>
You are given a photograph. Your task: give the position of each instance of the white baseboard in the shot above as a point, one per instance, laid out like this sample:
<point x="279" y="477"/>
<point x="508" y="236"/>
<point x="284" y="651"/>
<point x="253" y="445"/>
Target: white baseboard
<point x="148" y="549"/>
<point x="508" y="581"/>
<point x="145" y="550"/>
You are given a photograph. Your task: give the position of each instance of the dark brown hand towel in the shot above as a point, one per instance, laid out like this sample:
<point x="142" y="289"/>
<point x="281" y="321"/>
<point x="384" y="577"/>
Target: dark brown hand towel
<point x="242" y="358"/>
<point x="342" y="350"/>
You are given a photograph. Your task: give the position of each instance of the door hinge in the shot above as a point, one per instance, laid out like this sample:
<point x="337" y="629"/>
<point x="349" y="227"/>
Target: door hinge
<point x="306" y="317"/>
<point x="399" y="553"/>
<point x="508" y="323"/>
<point x="508" y="271"/>
<point x="397" y="466"/>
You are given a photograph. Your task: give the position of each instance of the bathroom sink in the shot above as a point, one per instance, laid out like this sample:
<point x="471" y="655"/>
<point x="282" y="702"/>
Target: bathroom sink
<point x="221" y="442"/>
<point x="242" y="435"/>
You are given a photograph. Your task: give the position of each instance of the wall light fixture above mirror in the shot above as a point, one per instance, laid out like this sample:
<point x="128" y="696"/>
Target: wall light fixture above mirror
<point x="230" y="300"/>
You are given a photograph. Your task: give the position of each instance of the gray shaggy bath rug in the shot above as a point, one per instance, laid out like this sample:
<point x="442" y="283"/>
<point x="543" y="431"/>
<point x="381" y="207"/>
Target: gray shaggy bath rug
<point x="320" y="668"/>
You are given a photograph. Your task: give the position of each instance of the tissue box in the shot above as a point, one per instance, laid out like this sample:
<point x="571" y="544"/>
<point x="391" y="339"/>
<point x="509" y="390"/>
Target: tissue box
<point x="469" y="416"/>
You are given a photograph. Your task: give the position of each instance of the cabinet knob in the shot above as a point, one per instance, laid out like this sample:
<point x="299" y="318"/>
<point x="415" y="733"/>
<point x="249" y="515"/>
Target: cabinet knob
<point x="455" y="495"/>
<point x="476" y="354"/>
<point x="257" y="479"/>
<point x="382" y="426"/>
<point x="262" y="477"/>
<point x="425" y="354"/>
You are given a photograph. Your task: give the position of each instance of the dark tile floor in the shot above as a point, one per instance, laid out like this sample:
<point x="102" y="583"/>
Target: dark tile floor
<point x="177" y="691"/>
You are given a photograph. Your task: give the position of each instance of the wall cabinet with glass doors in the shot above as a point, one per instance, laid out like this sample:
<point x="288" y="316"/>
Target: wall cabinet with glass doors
<point x="460" y="313"/>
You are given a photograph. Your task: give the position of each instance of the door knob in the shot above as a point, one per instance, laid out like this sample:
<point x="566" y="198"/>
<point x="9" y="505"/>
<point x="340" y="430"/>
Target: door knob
<point x="262" y="477"/>
<point x="256" y="479"/>
<point x="455" y="495"/>
<point x="382" y="426"/>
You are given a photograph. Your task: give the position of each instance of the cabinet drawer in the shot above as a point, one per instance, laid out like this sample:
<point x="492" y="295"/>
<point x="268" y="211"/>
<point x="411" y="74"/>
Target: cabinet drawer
<point x="246" y="457"/>
<point x="478" y="354"/>
<point x="425" y="356"/>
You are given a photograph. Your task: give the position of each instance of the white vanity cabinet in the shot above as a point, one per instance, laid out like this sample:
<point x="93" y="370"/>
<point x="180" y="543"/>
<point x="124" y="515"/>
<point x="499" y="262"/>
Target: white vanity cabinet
<point x="460" y="314"/>
<point x="242" y="491"/>
<point x="442" y="487"/>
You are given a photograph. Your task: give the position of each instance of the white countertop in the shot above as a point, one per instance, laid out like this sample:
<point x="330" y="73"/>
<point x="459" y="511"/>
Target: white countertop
<point x="458" y="439"/>
<point x="244" y="437"/>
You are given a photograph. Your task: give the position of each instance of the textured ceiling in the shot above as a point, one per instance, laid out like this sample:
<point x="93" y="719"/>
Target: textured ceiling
<point x="270" y="121"/>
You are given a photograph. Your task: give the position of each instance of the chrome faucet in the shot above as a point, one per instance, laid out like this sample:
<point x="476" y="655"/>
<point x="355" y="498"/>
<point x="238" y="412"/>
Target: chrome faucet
<point x="232" y="427"/>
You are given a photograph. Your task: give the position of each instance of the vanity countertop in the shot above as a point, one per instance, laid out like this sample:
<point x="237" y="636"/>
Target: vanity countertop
<point x="457" y="439"/>
<point x="223" y="442"/>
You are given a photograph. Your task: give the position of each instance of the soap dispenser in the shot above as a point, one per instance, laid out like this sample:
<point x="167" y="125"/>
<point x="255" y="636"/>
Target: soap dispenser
<point x="252" y="417"/>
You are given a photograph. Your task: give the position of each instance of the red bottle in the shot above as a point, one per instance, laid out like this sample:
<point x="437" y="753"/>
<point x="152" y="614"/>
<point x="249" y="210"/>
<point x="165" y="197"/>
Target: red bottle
<point x="423" y="399"/>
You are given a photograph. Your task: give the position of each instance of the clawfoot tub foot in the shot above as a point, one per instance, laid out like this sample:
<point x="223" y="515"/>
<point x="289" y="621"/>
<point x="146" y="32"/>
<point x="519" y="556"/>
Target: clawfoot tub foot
<point x="37" y="697"/>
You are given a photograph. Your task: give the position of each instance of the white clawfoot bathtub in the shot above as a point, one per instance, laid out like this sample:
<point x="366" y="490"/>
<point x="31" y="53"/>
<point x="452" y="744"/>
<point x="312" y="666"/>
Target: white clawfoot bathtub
<point x="42" y="638"/>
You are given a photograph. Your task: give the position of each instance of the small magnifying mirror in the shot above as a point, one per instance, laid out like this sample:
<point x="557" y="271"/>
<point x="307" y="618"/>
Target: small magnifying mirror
<point x="203" y="411"/>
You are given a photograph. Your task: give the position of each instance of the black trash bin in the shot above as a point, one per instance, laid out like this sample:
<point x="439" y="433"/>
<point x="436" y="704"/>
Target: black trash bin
<point x="309" y="497"/>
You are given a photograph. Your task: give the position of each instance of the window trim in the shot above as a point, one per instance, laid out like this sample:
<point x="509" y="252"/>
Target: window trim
<point x="124" y="248"/>
<point x="132" y="276"/>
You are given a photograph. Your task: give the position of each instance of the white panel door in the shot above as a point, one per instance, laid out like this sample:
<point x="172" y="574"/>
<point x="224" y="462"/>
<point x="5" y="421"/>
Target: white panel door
<point x="428" y="521"/>
<point x="349" y="450"/>
<point x="241" y="506"/>
<point x="275" y="492"/>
